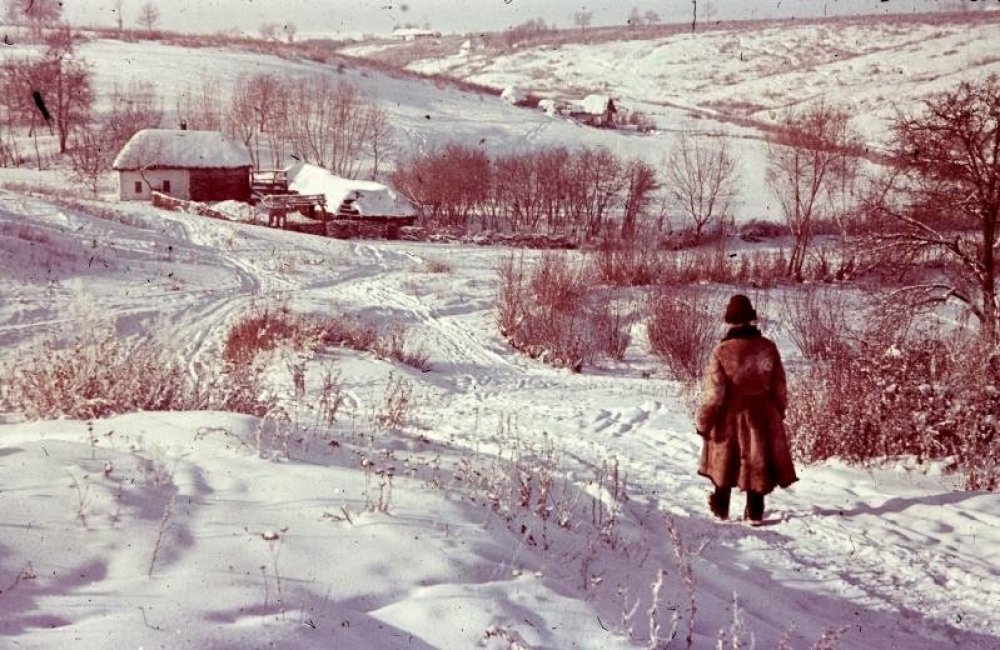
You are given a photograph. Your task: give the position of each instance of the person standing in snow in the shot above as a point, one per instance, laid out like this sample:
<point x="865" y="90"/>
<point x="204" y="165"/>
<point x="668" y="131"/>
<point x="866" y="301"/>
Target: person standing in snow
<point x="741" y="417"/>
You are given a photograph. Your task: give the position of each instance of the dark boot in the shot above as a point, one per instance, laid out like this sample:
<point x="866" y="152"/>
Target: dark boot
<point x="718" y="502"/>
<point x="755" y="507"/>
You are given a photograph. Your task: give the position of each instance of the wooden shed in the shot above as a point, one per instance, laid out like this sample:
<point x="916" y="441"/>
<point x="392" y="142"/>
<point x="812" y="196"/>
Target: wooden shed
<point x="191" y="165"/>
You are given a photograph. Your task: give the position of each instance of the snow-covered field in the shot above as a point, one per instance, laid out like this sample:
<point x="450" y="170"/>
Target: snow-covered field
<point x="257" y="544"/>
<point x="873" y="67"/>
<point x="218" y="530"/>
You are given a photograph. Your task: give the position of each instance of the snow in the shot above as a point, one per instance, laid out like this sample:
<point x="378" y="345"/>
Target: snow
<point x="371" y="198"/>
<point x="873" y="66"/>
<point x="594" y="104"/>
<point x="181" y="149"/>
<point x="513" y="95"/>
<point x="269" y="542"/>
<point x="211" y="529"/>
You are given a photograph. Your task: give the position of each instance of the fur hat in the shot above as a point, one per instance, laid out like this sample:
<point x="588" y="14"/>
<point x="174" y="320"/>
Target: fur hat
<point x="739" y="310"/>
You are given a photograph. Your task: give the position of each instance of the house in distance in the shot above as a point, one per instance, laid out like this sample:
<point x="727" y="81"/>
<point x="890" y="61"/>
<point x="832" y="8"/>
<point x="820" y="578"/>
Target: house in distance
<point x="190" y="165"/>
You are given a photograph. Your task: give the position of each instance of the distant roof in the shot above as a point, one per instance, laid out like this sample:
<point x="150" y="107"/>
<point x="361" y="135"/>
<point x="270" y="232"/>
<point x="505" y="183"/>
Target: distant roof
<point x="412" y="31"/>
<point x="179" y="149"/>
<point x="594" y="104"/>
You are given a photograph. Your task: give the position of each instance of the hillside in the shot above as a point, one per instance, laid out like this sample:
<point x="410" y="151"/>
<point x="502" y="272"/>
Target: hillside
<point x="741" y="71"/>
<point x="278" y="531"/>
<point x="429" y="486"/>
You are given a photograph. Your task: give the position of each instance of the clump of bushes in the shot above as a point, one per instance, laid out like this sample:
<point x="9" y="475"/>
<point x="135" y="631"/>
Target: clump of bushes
<point x="266" y="329"/>
<point x="888" y="394"/>
<point x="97" y="374"/>
<point x="683" y="328"/>
<point x="263" y="331"/>
<point x="548" y="313"/>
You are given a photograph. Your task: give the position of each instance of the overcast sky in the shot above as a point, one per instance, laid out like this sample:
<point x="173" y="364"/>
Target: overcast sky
<point x="379" y="16"/>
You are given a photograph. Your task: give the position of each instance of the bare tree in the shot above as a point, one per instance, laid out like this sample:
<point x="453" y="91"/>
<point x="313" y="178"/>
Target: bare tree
<point x="634" y="18"/>
<point x="202" y="107"/>
<point x="134" y="107"/>
<point x="149" y="17"/>
<point x="335" y="125"/>
<point x="62" y="86"/>
<point x="378" y="131"/>
<point x="703" y="180"/>
<point x="582" y="18"/>
<point x="269" y="31"/>
<point x="448" y="184"/>
<point x="641" y="183"/>
<point x="652" y="18"/>
<point x="90" y="158"/>
<point x="943" y="196"/>
<point x="37" y="14"/>
<point x="119" y="10"/>
<point x="804" y="162"/>
<point x="596" y="189"/>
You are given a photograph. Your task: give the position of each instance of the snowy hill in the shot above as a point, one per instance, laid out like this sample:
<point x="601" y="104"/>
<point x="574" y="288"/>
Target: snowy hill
<point x="484" y="500"/>
<point x="750" y="71"/>
<point x="214" y="529"/>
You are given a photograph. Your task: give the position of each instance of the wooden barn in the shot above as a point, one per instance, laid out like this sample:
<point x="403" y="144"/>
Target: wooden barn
<point x="191" y="165"/>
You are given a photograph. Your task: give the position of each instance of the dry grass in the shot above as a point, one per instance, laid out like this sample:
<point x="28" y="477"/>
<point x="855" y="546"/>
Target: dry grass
<point x="262" y="331"/>
<point x="437" y="266"/>
<point x="97" y="374"/>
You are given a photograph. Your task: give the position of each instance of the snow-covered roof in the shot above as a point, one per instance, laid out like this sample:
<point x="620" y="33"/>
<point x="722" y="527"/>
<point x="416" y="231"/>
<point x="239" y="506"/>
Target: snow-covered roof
<point x="513" y="94"/>
<point x="411" y="32"/>
<point x="594" y="104"/>
<point x="180" y="149"/>
<point x="371" y="198"/>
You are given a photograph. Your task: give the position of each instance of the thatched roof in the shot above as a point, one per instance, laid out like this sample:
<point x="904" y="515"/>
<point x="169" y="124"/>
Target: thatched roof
<point x="180" y="149"/>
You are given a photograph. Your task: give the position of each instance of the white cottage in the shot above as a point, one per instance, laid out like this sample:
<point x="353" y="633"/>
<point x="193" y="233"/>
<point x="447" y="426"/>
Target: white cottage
<point x="192" y="165"/>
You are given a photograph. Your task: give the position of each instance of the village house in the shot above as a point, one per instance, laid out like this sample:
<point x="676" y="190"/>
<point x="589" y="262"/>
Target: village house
<point x="413" y="34"/>
<point x="190" y="165"/>
<point x="595" y="110"/>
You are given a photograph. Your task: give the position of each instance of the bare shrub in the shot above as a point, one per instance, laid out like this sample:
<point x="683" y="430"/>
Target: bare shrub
<point x="348" y="331"/>
<point x="903" y="393"/>
<point x="556" y="284"/>
<point x="682" y="331"/>
<point x="261" y="332"/>
<point x="545" y="313"/>
<point x="817" y="322"/>
<point x="625" y="262"/>
<point x="610" y="330"/>
<point x="97" y="374"/>
<point x="90" y="160"/>
<point x="393" y="345"/>
<point x="539" y="312"/>
<point x="437" y="266"/>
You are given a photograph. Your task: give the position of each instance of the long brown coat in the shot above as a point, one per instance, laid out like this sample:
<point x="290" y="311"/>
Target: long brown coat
<point x="742" y="415"/>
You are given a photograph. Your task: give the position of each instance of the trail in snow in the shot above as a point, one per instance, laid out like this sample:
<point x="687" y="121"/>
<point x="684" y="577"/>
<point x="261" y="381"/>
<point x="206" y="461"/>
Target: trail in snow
<point x="916" y="562"/>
